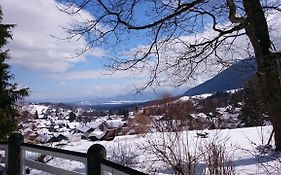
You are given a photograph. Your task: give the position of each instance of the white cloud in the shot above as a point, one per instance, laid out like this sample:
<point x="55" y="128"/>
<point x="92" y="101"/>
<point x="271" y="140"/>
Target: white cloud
<point x="33" y="45"/>
<point x="89" y="91"/>
<point x="274" y="25"/>
<point x="172" y="70"/>
<point x="96" y="74"/>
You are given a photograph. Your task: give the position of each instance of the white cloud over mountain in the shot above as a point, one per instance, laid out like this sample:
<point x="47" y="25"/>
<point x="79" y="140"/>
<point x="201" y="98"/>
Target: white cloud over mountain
<point x="175" y="66"/>
<point x="33" y="45"/>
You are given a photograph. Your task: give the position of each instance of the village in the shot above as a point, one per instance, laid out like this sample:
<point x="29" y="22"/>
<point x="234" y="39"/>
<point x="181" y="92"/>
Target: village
<point x="128" y="134"/>
<point x="58" y="125"/>
<point x="48" y="124"/>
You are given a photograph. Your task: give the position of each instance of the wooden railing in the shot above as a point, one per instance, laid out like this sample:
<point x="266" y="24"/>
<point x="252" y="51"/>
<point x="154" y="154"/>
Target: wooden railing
<point x="4" y="148"/>
<point x="16" y="154"/>
<point x="54" y="152"/>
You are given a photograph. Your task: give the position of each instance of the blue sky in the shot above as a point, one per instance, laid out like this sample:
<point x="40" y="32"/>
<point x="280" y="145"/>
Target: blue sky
<point x="47" y="66"/>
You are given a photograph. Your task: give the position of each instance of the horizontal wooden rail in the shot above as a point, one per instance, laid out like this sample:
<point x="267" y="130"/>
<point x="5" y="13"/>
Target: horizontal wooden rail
<point x="95" y="159"/>
<point x="3" y="143"/>
<point x="55" y="152"/>
<point x="117" y="169"/>
<point x="48" y="168"/>
<point x="4" y="147"/>
<point x="66" y="154"/>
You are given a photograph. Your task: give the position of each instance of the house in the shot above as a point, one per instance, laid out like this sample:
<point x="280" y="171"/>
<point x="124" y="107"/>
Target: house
<point x="57" y="138"/>
<point x="73" y="125"/>
<point x="95" y="135"/>
<point x="100" y="130"/>
<point x="107" y="135"/>
<point x="89" y="127"/>
<point x="44" y="138"/>
<point x="83" y="129"/>
<point x="116" y="123"/>
<point x="101" y="124"/>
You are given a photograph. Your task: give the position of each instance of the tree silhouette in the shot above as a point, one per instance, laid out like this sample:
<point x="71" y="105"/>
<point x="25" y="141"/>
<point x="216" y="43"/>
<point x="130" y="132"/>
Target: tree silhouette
<point x="253" y="111"/>
<point x="9" y="92"/>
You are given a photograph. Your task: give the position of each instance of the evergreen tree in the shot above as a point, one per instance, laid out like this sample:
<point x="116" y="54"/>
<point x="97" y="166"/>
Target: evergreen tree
<point x="72" y="116"/>
<point x="36" y="115"/>
<point x="9" y="92"/>
<point x="253" y="110"/>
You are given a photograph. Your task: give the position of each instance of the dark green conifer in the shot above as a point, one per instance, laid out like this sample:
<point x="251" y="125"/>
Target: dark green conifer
<point x="9" y="92"/>
<point x="253" y="110"/>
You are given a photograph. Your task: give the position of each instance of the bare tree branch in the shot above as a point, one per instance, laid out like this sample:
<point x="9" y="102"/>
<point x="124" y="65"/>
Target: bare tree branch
<point x="182" y="8"/>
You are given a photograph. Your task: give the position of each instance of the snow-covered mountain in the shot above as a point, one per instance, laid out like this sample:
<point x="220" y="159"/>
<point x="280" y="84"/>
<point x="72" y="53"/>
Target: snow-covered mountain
<point x="128" y="98"/>
<point x="232" y="78"/>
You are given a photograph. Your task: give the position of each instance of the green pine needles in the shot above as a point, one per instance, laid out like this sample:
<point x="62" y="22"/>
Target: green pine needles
<point x="9" y="92"/>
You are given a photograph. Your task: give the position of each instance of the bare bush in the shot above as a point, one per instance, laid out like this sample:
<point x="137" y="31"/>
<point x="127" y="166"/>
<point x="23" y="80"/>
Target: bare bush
<point x="183" y="153"/>
<point x="217" y="157"/>
<point x="176" y="151"/>
<point x="175" y="114"/>
<point x="124" y="155"/>
<point x="140" y="124"/>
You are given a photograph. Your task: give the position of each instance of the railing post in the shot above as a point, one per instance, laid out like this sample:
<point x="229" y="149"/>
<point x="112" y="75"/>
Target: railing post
<point x="14" y="154"/>
<point x="94" y="154"/>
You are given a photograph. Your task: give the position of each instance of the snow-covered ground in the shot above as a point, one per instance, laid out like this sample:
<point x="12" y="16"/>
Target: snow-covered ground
<point x="242" y="150"/>
<point x="239" y="145"/>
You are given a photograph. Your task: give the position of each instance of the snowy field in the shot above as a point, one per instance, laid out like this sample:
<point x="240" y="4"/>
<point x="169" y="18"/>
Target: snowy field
<point x="242" y="147"/>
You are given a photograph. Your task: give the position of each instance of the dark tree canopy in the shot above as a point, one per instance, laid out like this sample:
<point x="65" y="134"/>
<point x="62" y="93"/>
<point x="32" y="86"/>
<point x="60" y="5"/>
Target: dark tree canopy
<point x="253" y="112"/>
<point x="9" y="92"/>
<point x="182" y="38"/>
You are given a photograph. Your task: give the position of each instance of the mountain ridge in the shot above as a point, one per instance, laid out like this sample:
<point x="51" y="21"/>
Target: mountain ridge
<point x="231" y="78"/>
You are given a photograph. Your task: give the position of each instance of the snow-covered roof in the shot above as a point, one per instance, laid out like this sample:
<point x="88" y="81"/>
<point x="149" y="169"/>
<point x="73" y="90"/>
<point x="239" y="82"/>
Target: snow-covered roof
<point x="94" y="124"/>
<point x="83" y="128"/>
<point x="25" y="130"/>
<point x="97" y="133"/>
<point x="158" y="117"/>
<point x="184" y="98"/>
<point x="115" y="123"/>
<point x="200" y="115"/>
<point x="38" y="108"/>
<point x="44" y="137"/>
<point x="73" y="125"/>
<point x="41" y="125"/>
<point x="63" y="129"/>
<point x="61" y="133"/>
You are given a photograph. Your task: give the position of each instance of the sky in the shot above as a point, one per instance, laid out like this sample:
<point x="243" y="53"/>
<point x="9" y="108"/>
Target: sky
<point x="48" y="65"/>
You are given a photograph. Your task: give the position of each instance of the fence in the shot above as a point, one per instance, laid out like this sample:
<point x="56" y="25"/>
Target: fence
<point x="94" y="160"/>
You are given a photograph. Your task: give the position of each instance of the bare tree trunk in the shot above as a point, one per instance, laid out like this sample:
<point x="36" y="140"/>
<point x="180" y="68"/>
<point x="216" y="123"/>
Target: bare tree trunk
<point x="267" y="64"/>
<point x="270" y="82"/>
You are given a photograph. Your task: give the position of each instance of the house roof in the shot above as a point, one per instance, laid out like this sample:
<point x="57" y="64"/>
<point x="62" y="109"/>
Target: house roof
<point x="97" y="133"/>
<point x="94" y="124"/>
<point x="83" y="128"/>
<point x="73" y="125"/>
<point x="115" y="123"/>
